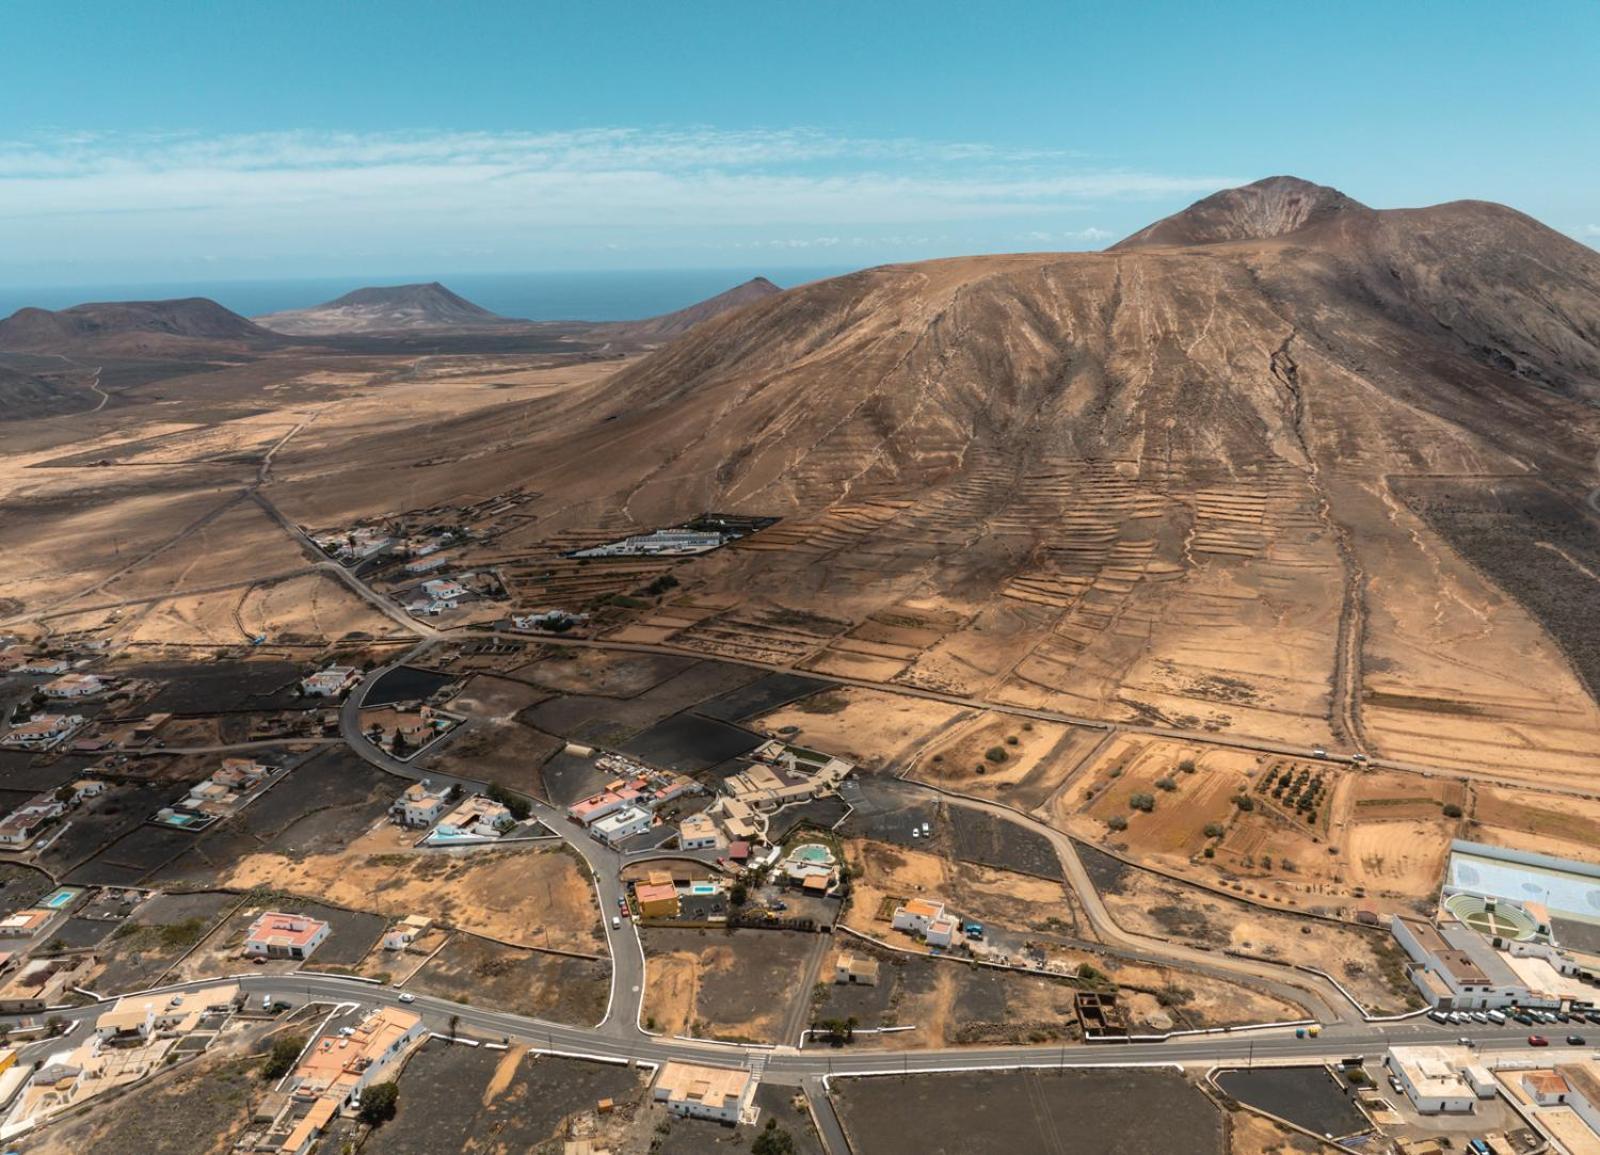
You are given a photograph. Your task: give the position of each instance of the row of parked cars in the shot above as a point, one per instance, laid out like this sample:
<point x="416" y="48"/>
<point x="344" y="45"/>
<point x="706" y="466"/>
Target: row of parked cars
<point x="1527" y="1018"/>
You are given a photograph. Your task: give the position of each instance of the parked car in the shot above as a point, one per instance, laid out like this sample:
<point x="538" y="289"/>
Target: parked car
<point x="1481" y="1016"/>
<point x="1538" y="1041"/>
<point x="1498" y="1018"/>
<point x="1524" y="1018"/>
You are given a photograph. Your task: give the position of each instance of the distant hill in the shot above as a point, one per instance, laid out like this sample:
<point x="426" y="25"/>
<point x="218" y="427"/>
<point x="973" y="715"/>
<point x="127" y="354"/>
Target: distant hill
<point x="130" y="328"/>
<point x="385" y="309"/>
<point x="24" y="396"/>
<point x="670" y="325"/>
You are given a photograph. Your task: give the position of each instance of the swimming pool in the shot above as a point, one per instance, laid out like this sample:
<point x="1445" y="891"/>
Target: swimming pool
<point x="812" y="852"/>
<point x="61" y="898"/>
<point x="704" y="888"/>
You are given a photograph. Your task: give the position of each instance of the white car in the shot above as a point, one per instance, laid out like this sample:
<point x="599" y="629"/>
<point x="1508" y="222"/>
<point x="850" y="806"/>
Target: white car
<point x="408" y="997"/>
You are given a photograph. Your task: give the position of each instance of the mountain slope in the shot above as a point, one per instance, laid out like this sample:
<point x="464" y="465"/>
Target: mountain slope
<point x="24" y="396"/>
<point x="1273" y="207"/>
<point x="384" y="309"/>
<point x="1326" y="483"/>
<point x="670" y="325"/>
<point x="130" y="327"/>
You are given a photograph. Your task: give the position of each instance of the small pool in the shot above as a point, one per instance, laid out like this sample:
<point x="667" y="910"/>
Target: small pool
<point x="704" y="888"/>
<point x="812" y="852"/>
<point x="61" y="898"/>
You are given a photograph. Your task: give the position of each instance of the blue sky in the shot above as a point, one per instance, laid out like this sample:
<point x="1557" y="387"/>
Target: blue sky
<point x="175" y="139"/>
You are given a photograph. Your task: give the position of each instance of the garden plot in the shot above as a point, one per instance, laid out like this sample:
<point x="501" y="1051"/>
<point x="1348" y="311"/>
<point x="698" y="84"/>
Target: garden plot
<point x="986" y="839"/>
<point x="155" y="936"/>
<point x="1003" y="757"/>
<point x="351" y="934"/>
<point x="523" y="982"/>
<point x="219" y="687"/>
<point x="1367" y="962"/>
<point x="886" y="876"/>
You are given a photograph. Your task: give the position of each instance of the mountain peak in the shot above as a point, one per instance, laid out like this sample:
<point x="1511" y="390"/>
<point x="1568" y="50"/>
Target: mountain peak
<point x="1274" y="207"/>
<point x="381" y="308"/>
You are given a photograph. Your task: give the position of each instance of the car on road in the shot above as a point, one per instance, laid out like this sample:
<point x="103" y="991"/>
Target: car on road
<point x="616" y="922"/>
<point x="1538" y="1041"/>
<point x="408" y="997"/>
<point x="1318" y="752"/>
<point x="1577" y="1041"/>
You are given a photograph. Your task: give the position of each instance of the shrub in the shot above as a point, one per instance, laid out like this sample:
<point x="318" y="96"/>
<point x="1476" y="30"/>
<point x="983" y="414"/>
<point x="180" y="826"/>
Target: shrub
<point x="773" y="1140"/>
<point x="996" y="754"/>
<point x="1011" y="740"/>
<point x="1144" y="802"/>
<point x="1214" y="830"/>
<point x="281" y="1058"/>
<point x="1451" y="810"/>
<point x="1187" y="765"/>
<point x="1244" y="802"/>
<point x="1211" y="852"/>
<point x="1166" y="784"/>
<point x="378" y="1103"/>
<point x="1117" y="822"/>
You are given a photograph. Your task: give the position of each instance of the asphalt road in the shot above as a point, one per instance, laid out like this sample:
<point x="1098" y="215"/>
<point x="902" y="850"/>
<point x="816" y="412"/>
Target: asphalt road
<point x="788" y="1065"/>
<point x="627" y="953"/>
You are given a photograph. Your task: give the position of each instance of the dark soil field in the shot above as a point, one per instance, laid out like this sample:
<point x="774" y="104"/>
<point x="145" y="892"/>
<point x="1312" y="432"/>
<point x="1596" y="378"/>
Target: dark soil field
<point x="76" y="933"/>
<point x="220" y="687"/>
<point x="351" y="934"/>
<point x="1308" y="1096"/>
<point x="887" y="810"/>
<point x="33" y="773"/>
<point x="105" y="820"/>
<point x="610" y="675"/>
<point x="473" y="1100"/>
<point x="989" y="840"/>
<point x="321" y="805"/>
<point x="21" y="887"/>
<point x="688" y="743"/>
<point x="823" y="813"/>
<point x="761" y="696"/>
<point x="1074" y="1112"/>
<point x="405" y="684"/>
<point x="149" y="941"/>
<point x="568" y="777"/>
<point x="524" y="982"/>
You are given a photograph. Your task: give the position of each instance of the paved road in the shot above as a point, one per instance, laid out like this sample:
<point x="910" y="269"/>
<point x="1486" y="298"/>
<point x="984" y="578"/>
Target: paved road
<point x="1320" y="997"/>
<point x="627" y="953"/>
<point x="788" y="1065"/>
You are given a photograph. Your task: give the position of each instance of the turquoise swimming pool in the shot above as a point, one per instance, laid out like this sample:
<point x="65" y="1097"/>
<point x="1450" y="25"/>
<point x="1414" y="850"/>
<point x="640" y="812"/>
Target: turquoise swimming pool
<point x="60" y="898"/>
<point x="703" y="888"/>
<point x="812" y="852"/>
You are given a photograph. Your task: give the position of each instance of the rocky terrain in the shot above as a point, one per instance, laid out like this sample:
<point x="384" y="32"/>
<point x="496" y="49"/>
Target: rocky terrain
<point x="385" y="309"/>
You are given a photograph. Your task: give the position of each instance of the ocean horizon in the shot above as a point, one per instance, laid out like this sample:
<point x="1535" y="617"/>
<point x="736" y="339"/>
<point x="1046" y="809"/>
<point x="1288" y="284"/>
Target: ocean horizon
<point x="598" y="295"/>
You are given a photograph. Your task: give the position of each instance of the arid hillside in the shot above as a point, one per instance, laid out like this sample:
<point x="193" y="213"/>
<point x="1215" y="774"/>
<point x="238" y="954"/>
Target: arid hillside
<point x="130" y="328"/>
<point x="1320" y="472"/>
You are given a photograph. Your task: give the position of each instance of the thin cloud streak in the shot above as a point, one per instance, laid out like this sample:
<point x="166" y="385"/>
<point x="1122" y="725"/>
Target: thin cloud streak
<point x="181" y="196"/>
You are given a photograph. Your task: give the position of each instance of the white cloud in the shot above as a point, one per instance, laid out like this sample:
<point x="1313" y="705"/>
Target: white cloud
<point x="74" y="196"/>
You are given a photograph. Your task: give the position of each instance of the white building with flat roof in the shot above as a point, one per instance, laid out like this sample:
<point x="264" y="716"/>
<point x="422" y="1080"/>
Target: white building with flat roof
<point x="621" y="824"/>
<point x="1432" y="1079"/>
<point x="721" y="1093"/>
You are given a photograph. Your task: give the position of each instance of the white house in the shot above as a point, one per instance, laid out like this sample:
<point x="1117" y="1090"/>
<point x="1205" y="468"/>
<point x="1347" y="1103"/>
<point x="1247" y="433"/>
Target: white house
<point x="942" y="931"/>
<point x="625" y="823"/>
<point x="720" y="1093"/>
<point x="1430" y="1080"/>
<point x="73" y="686"/>
<point x="699" y="832"/>
<point x="329" y="682"/>
<point x="916" y="915"/>
<point x="420" y="804"/>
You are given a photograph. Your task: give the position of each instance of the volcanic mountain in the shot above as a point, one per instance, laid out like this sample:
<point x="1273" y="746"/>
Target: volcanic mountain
<point x="385" y="309"/>
<point x="131" y="328"/>
<point x="1281" y="462"/>
<point x="669" y="325"/>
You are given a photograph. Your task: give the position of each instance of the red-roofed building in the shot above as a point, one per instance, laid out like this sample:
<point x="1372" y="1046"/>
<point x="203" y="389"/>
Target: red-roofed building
<point x="275" y="935"/>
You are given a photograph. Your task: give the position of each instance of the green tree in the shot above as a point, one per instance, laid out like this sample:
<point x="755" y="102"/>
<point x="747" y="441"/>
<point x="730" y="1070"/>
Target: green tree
<point x="378" y="1103"/>
<point x="1144" y="802"/>
<point x="739" y="894"/>
<point x="1451" y="810"/>
<point x="518" y="806"/>
<point x="773" y="1140"/>
<point x="996" y="754"/>
<point x="1168" y="784"/>
<point x="1117" y="822"/>
<point x="1214" y="830"/>
<point x="279" y="1060"/>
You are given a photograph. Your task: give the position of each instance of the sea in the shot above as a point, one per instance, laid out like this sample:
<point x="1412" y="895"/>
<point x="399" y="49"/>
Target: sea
<point x="608" y="295"/>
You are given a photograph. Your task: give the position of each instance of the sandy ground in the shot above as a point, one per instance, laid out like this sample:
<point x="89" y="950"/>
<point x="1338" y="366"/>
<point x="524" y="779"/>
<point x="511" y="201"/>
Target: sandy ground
<point x="1037" y="758"/>
<point x="1001" y="897"/>
<point x="870" y="727"/>
<point x="530" y="896"/>
<point x="1525" y="820"/>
